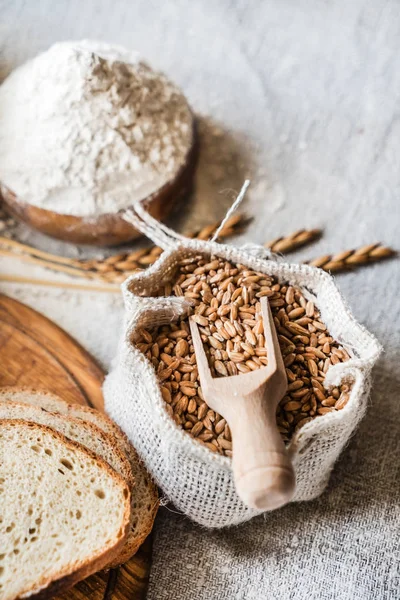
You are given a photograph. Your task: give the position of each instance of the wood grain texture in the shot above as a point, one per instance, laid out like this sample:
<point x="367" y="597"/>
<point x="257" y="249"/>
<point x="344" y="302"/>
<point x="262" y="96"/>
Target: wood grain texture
<point x="35" y="352"/>
<point x="70" y="370"/>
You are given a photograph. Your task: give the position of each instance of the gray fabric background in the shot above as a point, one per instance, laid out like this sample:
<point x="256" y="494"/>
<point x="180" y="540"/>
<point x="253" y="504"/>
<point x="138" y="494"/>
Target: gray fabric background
<point x="303" y="97"/>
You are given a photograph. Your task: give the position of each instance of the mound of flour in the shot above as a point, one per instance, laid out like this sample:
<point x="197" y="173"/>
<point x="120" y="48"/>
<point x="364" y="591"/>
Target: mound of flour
<point x="87" y="129"/>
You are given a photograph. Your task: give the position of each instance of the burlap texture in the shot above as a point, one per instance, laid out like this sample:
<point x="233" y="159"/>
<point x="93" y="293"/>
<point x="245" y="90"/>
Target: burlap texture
<point x="197" y="481"/>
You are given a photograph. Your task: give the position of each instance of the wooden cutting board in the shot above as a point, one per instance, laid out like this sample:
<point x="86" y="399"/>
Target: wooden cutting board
<point x="35" y="352"/>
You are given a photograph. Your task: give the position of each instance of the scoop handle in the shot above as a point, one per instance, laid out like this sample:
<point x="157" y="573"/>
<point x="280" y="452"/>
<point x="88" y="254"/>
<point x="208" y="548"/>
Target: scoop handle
<point x="264" y="475"/>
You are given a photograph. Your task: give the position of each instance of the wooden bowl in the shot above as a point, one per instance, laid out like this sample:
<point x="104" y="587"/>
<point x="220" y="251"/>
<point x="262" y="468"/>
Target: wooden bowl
<point x="107" y="229"/>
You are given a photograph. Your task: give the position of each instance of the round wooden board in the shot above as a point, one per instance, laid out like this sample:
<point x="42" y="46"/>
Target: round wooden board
<point x="35" y="352"/>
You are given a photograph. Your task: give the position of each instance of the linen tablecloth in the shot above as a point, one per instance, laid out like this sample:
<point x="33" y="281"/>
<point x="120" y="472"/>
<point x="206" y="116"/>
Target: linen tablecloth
<point x="302" y="97"/>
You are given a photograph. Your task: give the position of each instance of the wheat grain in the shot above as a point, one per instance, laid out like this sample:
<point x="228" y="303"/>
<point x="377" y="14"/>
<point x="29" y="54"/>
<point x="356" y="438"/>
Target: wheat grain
<point x="227" y="310"/>
<point x="349" y="259"/>
<point x="115" y="269"/>
<point x="286" y="244"/>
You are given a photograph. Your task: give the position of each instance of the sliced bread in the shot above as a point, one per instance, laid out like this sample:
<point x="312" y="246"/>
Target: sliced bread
<point x="145" y="497"/>
<point x="65" y="513"/>
<point x="76" y="430"/>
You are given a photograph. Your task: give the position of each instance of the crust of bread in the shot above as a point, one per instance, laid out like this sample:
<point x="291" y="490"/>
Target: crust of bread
<point x="133" y="542"/>
<point x="95" y="432"/>
<point x="44" y="588"/>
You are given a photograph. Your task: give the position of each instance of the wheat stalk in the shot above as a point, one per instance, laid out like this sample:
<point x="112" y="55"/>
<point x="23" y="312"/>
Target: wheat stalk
<point x="60" y="284"/>
<point x="289" y="243"/>
<point x="118" y="267"/>
<point x="349" y="259"/>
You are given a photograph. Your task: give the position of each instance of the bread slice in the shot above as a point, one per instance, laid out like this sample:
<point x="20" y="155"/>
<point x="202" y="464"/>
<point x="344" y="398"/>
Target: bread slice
<point x="64" y="512"/>
<point x="76" y="430"/>
<point x="145" y="497"/>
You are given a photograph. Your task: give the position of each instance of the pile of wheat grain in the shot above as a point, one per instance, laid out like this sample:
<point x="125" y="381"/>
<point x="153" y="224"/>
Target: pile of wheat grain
<point x="226" y="305"/>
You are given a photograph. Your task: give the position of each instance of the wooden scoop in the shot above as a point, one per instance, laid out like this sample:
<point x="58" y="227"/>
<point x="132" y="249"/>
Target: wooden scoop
<point x="263" y="472"/>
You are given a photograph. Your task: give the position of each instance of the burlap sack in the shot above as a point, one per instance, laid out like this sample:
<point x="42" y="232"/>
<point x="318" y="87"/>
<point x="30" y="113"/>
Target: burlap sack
<point x="197" y="481"/>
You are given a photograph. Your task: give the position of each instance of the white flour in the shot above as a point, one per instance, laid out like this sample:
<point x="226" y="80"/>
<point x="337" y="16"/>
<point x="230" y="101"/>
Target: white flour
<point x="87" y="128"/>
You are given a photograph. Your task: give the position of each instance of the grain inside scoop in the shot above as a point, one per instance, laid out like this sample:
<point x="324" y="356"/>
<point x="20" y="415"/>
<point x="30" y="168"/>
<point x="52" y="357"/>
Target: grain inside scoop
<point x="263" y="472"/>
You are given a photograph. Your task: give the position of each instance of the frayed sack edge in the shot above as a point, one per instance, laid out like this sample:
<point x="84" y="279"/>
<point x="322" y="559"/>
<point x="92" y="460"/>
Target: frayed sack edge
<point x="327" y="433"/>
